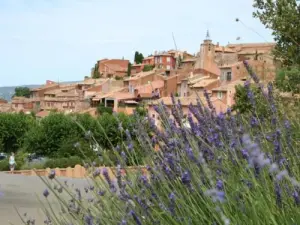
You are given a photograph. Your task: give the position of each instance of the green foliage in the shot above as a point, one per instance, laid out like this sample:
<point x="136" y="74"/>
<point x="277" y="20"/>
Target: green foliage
<point x="243" y="103"/>
<point x="118" y="78"/>
<point x="141" y="110"/>
<point x="34" y="165"/>
<point x="102" y="109"/>
<point x="62" y="136"/>
<point x="63" y="162"/>
<point x="4" y="165"/>
<point x="13" y="128"/>
<point x="148" y="68"/>
<point x="129" y="69"/>
<point x="22" y="92"/>
<point x="138" y="57"/>
<point x="288" y="79"/>
<point x="48" y="136"/>
<point x="109" y="129"/>
<point x="95" y="72"/>
<point x="282" y="16"/>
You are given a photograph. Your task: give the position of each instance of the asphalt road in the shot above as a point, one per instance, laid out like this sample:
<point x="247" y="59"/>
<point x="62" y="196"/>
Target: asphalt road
<point x="22" y="192"/>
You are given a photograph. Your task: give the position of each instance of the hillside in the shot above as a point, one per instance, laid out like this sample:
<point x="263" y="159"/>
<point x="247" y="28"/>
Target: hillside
<point x="8" y="92"/>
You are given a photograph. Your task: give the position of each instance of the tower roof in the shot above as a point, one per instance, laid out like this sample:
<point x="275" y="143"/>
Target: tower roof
<point x="207" y="35"/>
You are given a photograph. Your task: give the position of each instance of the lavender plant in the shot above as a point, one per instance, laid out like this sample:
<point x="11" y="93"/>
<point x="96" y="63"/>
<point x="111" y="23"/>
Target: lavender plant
<point x="225" y="168"/>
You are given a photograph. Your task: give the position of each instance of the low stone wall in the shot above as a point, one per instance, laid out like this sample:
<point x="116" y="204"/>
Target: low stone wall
<point x="77" y="172"/>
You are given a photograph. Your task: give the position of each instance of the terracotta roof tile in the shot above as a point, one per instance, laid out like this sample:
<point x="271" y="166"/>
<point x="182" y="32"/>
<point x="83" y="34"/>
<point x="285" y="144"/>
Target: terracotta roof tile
<point x="204" y="83"/>
<point x="148" y="88"/>
<point x="42" y="114"/>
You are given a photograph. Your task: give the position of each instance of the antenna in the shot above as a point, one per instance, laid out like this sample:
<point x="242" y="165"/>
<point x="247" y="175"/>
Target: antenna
<point x="174" y="41"/>
<point x="176" y="64"/>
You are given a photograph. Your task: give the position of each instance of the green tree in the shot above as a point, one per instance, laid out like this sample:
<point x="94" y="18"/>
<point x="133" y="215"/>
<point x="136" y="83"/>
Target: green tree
<point x="138" y="57"/>
<point x="288" y="79"/>
<point x="13" y="128"/>
<point x="129" y="69"/>
<point x="109" y="130"/>
<point x="95" y="72"/>
<point x="22" y="92"/>
<point x="283" y="17"/>
<point x="47" y="137"/>
<point x="243" y="102"/>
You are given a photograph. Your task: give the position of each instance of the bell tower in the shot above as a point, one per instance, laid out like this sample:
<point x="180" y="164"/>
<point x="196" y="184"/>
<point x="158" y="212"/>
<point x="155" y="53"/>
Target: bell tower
<point x="206" y="55"/>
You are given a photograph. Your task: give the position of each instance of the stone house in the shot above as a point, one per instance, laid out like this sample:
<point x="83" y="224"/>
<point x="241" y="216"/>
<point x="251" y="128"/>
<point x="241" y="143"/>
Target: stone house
<point x="137" y="68"/>
<point x="65" y="98"/>
<point x="113" y="67"/>
<point x="21" y="104"/>
<point x="148" y="60"/>
<point x="164" y="60"/>
<point x="3" y="101"/>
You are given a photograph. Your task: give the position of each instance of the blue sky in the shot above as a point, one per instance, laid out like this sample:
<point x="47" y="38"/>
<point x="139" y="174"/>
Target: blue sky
<point x="62" y="39"/>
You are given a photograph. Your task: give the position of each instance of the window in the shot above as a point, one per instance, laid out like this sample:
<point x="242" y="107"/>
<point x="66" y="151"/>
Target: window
<point x="220" y="95"/>
<point x="228" y="76"/>
<point x="168" y="67"/>
<point x="168" y="59"/>
<point x="160" y="59"/>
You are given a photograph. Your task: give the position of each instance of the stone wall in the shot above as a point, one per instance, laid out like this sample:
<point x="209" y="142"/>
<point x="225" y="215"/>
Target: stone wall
<point x="77" y="172"/>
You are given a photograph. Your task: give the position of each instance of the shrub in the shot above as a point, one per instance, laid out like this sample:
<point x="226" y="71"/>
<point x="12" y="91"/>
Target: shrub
<point x="33" y="165"/>
<point x="63" y="162"/>
<point x="4" y="165"/>
<point x="148" y="68"/>
<point x="101" y="109"/>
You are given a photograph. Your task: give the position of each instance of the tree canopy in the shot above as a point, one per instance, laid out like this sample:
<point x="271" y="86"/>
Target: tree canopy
<point x="283" y="17"/>
<point x="288" y="79"/>
<point x="22" y="92"/>
<point x="138" y="57"/>
<point x="95" y="72"/>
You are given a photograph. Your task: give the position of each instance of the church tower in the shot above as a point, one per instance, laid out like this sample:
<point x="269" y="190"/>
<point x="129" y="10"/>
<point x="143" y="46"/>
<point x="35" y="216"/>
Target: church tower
<point x="207" y="52"/>
<point x="206" y="55"/>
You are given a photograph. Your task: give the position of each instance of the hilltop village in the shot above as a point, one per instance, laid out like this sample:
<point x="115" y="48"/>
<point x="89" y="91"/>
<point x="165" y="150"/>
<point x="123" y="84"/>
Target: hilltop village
<point x="215" y="68"/>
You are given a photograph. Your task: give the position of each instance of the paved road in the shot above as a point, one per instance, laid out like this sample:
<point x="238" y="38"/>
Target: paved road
<point x="21" y="192"/>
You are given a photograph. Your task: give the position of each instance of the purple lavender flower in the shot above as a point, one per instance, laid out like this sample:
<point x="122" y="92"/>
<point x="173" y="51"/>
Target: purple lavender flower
<point x="88" y="219"/>
<point x="254" y="122"/>
<point x="123" y="222"/>
<point x="46" y="193"/>
<point x="186" y="178"/>
<point x="172" y="203"/>
<point x="278" y="194"/>
<point x="209" y="103"/>
<point x="296" y="197"/>
<point x="256" y="157"/>
<point x="97" y="172"/>
<point x="101" y="193"/>
<point x="216" y="195"/>
<point x="219" y="185"/>
<point x="106" y="176"/>
<point x="135" y="217"/>
<point x="251" y="72"/>
<point x="281" y="175"/>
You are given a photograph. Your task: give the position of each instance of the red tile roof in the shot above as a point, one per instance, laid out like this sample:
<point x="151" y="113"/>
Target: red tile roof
<point x="42" y="114"/>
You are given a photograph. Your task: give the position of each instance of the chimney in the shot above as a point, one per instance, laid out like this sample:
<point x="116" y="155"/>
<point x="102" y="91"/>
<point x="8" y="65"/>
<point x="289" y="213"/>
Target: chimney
<point x="217" y="44"/>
